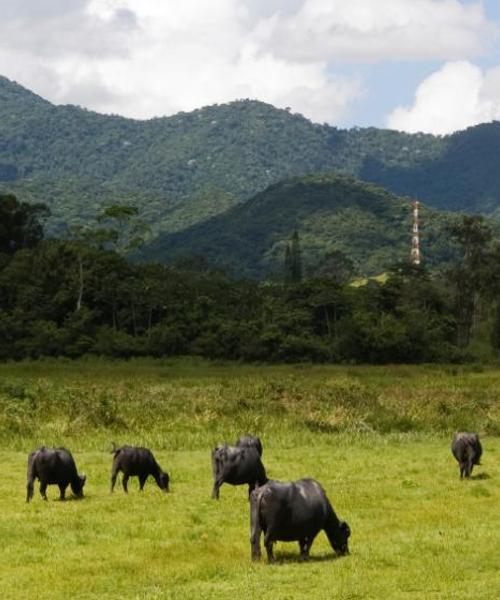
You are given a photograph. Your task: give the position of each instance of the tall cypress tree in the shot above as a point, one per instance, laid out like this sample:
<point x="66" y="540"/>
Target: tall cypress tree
<point x="293" y="260"/>
<point x="288" y="264"/>
<point x="296" y="258"/>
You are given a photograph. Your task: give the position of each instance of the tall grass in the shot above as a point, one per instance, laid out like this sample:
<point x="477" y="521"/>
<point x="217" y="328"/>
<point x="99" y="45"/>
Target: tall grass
<point x="191" y="404"/>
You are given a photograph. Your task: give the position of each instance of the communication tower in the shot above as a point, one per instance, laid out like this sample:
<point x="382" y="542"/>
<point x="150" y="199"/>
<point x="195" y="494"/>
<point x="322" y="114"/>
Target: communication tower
<point x="415" y="255"/>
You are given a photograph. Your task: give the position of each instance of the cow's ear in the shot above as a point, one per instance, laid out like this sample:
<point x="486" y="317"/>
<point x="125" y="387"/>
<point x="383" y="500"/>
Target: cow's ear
<point x="84" y="478"/>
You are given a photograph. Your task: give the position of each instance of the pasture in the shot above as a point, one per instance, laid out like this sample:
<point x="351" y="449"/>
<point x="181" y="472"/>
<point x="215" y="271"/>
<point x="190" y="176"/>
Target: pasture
<point x="377" y="438"/>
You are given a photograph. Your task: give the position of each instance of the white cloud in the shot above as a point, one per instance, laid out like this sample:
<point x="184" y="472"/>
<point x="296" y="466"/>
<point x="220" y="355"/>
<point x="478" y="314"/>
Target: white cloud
<point x="145" y="58"/>
<point x="456" y="96"/>
<point x="56" y="28"/>
<point x="192" y="53"/>
<point x="371" y="30"/>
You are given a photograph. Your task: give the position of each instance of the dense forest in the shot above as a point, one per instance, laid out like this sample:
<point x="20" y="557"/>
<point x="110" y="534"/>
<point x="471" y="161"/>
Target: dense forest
<point x="334" y="214"/>
<point x="76" y="296"/>
<point x="183" y="170"/>
<point x="267" y="242"/>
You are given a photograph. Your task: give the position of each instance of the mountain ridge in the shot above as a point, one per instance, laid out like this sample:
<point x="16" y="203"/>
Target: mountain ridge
<point x="242" y="146"/>
<point x="333" y="213"/>
<point x="188" y="168"/>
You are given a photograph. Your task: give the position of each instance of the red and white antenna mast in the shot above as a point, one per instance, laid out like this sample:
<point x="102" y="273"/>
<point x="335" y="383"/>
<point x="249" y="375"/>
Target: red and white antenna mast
<point x="415" y="256"/>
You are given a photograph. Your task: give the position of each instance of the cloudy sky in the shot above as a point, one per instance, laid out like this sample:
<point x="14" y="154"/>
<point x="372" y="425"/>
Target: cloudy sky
<point x="412" y="65"/>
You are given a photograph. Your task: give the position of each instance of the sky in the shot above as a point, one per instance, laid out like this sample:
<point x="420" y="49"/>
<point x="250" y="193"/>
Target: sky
<point x="411" y="65"/>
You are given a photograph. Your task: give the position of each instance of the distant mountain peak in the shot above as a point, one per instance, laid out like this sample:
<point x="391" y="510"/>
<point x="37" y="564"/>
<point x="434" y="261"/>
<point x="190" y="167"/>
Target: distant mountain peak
<point x="13" y="91"/>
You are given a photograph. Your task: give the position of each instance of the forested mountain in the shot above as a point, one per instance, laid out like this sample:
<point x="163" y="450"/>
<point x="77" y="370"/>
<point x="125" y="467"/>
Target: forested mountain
<point x="463" y="176"/>
<point x="333" y="214"/>
<point x="177" y="170"/>
<point x="186" y="169"/>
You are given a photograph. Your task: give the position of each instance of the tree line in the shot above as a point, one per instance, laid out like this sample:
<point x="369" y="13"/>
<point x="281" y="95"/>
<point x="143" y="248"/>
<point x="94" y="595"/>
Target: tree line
<point x="80" y="295"/>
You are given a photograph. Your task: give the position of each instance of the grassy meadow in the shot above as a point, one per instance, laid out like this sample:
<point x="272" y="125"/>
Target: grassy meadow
<point x="377" y="438"/>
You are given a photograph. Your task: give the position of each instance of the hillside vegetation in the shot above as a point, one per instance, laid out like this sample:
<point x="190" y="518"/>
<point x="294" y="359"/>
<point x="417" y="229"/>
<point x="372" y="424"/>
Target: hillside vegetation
<point x="463" y="176"/>
<point x="332" y="213"/>
<point x="182" y="169"/>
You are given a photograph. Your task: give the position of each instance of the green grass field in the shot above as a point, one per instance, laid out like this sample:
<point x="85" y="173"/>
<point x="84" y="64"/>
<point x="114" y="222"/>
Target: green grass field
<point x="377" y="438"/>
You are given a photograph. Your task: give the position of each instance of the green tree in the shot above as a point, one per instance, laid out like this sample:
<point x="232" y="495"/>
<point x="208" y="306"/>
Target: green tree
<point x="470" y="275"/>
<point x="293" y="260"/>
<point x="20" y="223"/>
<point x="119" y="229"/>
<point x="124" y="229"/>
<point x="336" y="266"/>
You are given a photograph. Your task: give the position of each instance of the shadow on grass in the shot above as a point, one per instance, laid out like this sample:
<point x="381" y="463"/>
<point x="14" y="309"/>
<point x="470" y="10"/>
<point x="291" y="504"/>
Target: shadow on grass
<point x="480" y="476"/>
<point x="57" y="499"/>
<point x="70" y="498"/>
<point x="290" y="557"/>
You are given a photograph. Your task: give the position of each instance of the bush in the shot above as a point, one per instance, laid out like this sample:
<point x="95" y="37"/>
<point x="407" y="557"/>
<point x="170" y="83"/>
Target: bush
<point x="118" y="344"/>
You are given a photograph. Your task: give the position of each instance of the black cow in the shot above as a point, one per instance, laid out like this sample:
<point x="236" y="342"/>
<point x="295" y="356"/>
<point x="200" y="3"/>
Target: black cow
<point x="467" y="449"/>
<point x="294" y="511"/>
<point x="53" y="466"/>
<point x="139" y="462"/>
<point x="237" y="465"/>
<point x="249" y="441"/>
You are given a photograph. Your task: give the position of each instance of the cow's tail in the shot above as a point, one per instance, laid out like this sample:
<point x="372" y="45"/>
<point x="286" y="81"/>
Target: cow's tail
<point x="31" y="476"/>
<point x="478" y="452"/>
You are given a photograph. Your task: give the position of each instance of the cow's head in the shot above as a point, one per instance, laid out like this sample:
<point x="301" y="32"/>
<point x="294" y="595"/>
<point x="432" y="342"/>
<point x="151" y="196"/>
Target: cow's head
<point x="77" y="485"/>
<point x="163" y="481"/>
<point x="341" y="538"/>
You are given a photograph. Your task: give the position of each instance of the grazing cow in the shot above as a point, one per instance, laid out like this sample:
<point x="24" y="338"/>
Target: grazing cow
<point x="140" y="462"/>
<point x="53" y="466"/>
<point x="294" y="511"/>
<point x="467" y="449"/>
<point x="249" y="441"/>
<point x="237" y="465"/>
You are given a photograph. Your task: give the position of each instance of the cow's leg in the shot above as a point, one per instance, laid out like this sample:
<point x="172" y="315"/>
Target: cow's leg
<point x="304" y="549"/>
<point x="125" y="483"/>
<point x="215" y="491"/>
<point x="268" y="542"/>
<point x="43" y="490"/>
<point x="114" y="473"/>
<point x="29" y="490"/>
<point x="62" y="491"/>
<point x="255" y="529"/>
<point x="310" y="541"/>
<point x="251" y="487"/>
<point x="142" y="481"/>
